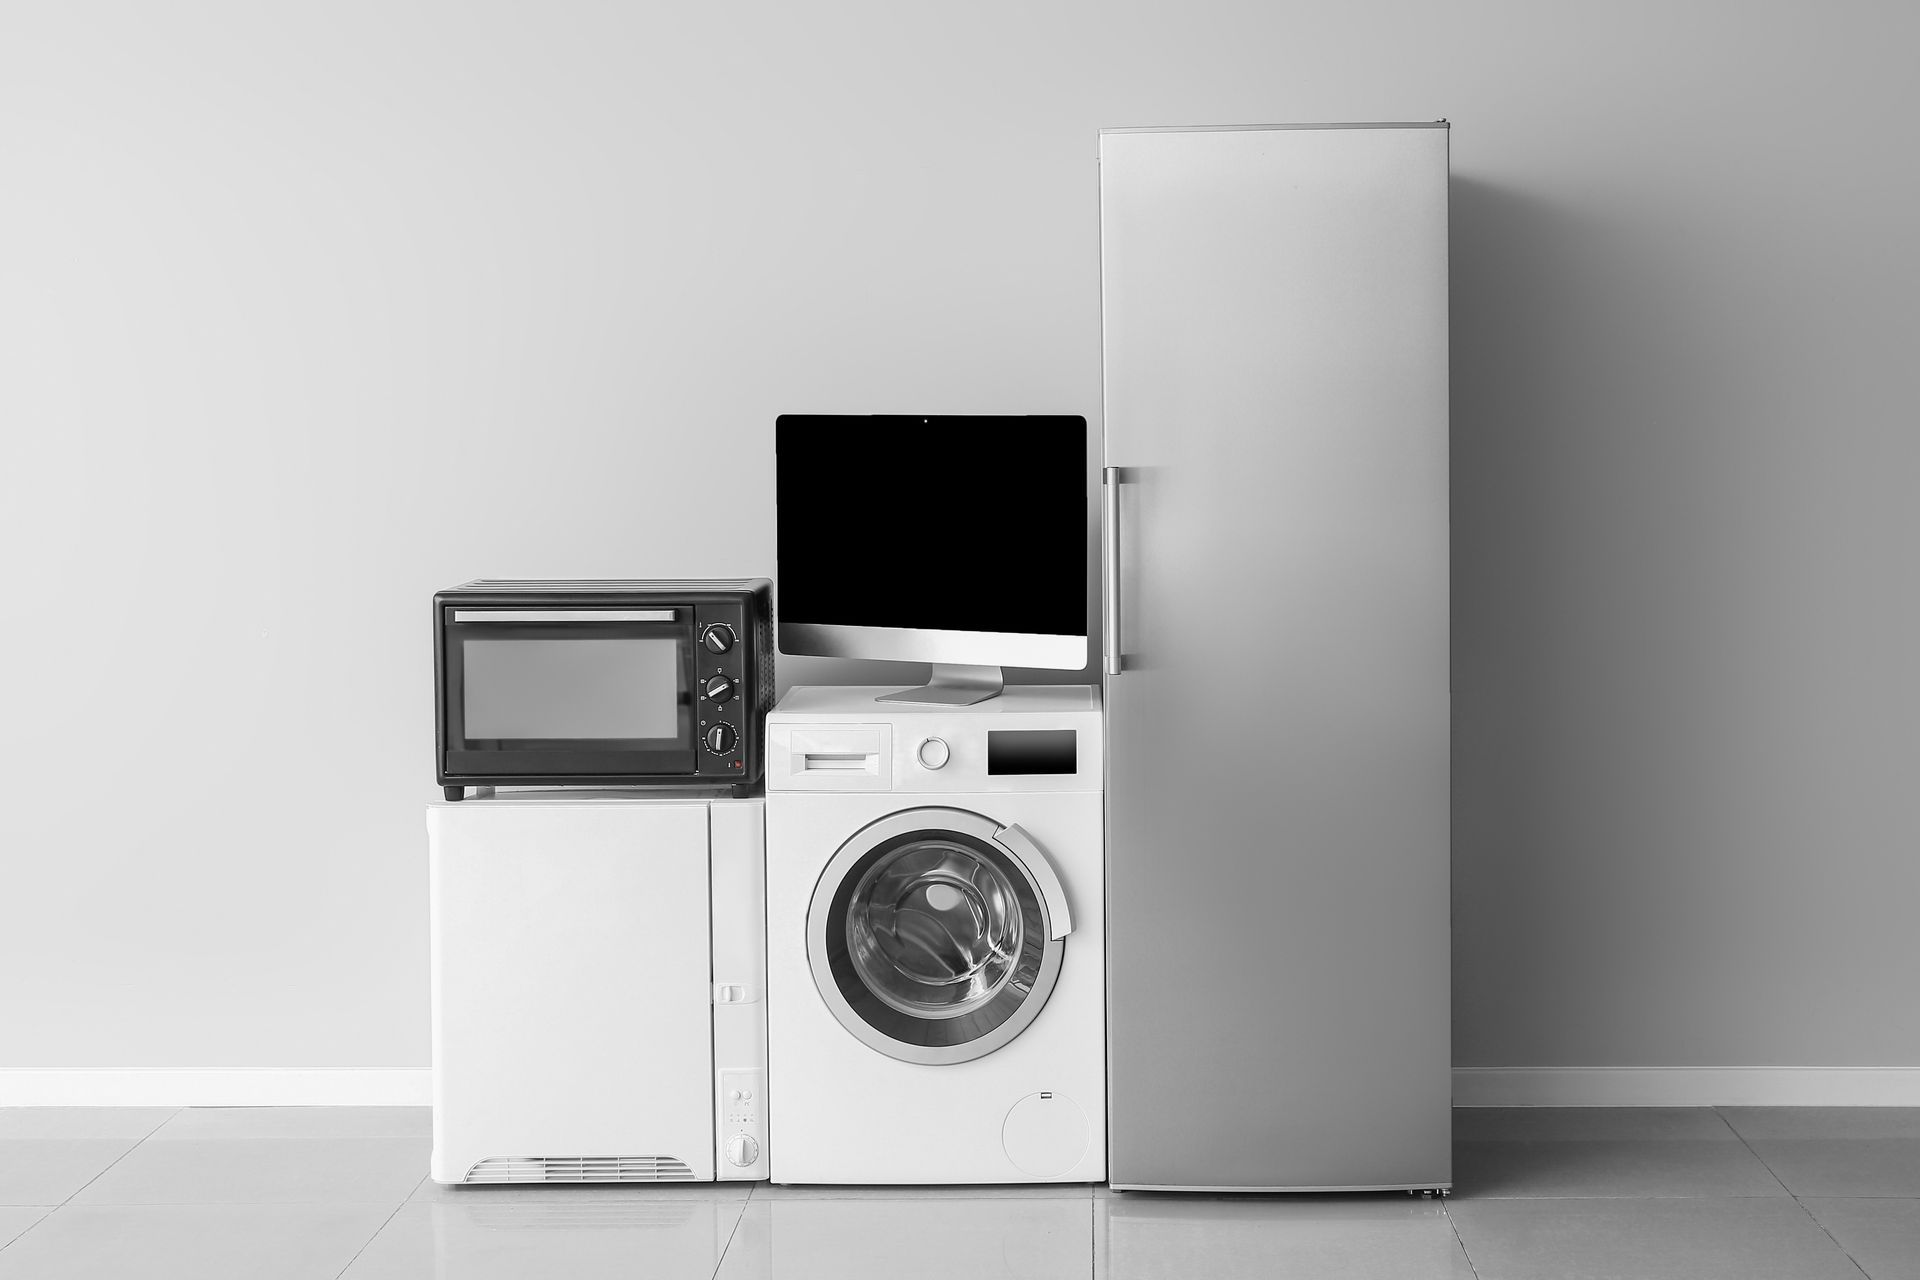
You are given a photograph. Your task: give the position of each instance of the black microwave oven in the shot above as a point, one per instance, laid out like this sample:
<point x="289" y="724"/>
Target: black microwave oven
<point x="610" y="683"/>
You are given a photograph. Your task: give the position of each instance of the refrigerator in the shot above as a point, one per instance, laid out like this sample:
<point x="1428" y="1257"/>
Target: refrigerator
<point x="1275" y="564"/>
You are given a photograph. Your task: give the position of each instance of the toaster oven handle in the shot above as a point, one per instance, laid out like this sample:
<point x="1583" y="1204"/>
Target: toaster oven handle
<point x="1110" y="478"/>
<point x="563" y="615"/>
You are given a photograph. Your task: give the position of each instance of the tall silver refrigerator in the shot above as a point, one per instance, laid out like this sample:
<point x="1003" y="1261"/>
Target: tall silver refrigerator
<point x="1275" y="358"/>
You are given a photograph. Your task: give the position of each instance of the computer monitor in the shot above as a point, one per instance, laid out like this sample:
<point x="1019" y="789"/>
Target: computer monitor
<point x="959" y="541"/>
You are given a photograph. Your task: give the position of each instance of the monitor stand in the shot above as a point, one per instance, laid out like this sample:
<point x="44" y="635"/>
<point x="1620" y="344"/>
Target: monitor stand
<point x="952" y="685"/>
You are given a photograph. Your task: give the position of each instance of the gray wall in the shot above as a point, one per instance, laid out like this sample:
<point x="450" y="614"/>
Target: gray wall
<point x="306" y="311"/>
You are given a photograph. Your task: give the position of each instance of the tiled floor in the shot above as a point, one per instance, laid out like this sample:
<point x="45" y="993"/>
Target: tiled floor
<point x="339" y="1192"/>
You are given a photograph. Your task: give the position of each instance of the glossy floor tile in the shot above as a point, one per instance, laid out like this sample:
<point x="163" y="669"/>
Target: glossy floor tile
<point x="1640" y="1167"/>
<point x="1769" y="1123"/>
<point x="1691" y="1238"/>
<point x="1836" y="1151"/>
<point x="132" y="1123"/>
<point x="1882" y="1236"/>
<point x="15" y="1219"/>
<point x="911" y="1234"/>
<point x="1546" y="1192"/>
<point x="263" y="1171"/>
<point x="1151" y="1236"/>
<point x="49" y="1170"/>
<point x="192" y="1242"/>
<point x="661" y="1238"/>
<point x="297" y="1122"/>
<point x="1603" y="1151"/>
<point x="1844" y="1166"/>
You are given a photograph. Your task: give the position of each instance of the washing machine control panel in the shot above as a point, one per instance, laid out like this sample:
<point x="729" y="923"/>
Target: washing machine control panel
<point x="1030" y="738"/>
<point x="743" y="1129"/>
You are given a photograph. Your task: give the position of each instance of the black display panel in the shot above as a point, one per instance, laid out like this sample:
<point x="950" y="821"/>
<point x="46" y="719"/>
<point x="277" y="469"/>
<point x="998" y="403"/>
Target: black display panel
<point x="1032" y="751"/>
<point x="933" y="523"/>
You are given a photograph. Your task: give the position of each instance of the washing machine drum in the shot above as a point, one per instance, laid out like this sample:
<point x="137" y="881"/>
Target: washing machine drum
<point x="936" y="935"/>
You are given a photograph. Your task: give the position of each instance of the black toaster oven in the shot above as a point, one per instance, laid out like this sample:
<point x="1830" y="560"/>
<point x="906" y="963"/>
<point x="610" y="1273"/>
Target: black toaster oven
<point x="610" y="682"/>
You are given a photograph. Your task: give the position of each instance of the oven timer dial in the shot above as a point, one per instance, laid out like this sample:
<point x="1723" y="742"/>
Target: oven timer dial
<point x="720" y="739"/>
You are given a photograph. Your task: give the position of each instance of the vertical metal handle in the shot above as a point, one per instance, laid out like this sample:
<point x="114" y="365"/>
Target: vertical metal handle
<point x="1110" y="568"/>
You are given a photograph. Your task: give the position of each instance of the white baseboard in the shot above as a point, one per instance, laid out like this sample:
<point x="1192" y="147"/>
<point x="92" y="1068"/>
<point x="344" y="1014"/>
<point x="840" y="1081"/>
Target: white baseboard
<point x="175" y="1087"/>
<point x="1686" y="1087"/>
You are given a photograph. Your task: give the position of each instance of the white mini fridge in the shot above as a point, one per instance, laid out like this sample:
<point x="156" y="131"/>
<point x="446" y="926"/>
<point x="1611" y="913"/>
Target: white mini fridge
<point x="598" y="964"/>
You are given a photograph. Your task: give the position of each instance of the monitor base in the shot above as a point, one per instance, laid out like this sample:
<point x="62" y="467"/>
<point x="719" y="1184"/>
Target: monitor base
<point x="952" y="685"/>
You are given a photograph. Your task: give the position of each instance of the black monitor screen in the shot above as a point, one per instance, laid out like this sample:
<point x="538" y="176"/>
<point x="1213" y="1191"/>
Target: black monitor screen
<point x="942" y="523"/>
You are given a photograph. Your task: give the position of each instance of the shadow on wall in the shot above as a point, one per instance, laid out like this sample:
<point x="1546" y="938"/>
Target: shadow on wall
<point x="1571" y="479"/>
<point x="1507" y="283"/>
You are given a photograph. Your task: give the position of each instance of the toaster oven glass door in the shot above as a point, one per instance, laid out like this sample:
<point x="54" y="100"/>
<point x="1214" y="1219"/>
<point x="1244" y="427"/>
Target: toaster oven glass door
<point x="569" y="694"/>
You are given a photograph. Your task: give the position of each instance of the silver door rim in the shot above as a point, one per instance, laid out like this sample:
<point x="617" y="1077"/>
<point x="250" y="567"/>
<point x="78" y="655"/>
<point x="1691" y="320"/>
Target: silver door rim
<point x="1019" y="853"/>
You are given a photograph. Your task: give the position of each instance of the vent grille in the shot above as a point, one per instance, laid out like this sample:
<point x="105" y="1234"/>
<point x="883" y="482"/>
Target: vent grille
<point x="763" y="641"/>
<point x="764" y="694"/>
<point x="580" y="1169"/>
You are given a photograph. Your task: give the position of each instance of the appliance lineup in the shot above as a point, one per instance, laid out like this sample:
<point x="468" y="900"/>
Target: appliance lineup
<point x="961" y="884"/>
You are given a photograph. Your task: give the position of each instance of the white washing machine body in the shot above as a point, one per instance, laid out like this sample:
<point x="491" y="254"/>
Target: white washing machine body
<point x="936" y="970"/>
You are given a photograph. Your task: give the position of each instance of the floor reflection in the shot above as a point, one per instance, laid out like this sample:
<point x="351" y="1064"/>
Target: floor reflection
<point x="482" y="1237"/>
<point x="1146" y="1236"/>
<point x="929" y="1239"/>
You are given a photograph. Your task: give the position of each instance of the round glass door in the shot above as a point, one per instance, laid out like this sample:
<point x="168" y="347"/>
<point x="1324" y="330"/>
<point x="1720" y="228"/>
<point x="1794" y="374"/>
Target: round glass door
<point x="936" y="935"/>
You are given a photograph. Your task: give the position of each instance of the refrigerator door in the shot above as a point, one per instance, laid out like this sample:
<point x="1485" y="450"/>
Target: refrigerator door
<point x="1275" y="330"/>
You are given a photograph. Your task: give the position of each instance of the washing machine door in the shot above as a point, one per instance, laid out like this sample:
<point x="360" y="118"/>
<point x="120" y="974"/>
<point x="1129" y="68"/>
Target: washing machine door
<point x="936" y="935"/>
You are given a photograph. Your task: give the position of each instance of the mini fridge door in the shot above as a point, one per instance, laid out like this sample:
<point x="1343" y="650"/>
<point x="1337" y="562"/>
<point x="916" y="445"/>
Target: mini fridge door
<point x="572" y="991"/>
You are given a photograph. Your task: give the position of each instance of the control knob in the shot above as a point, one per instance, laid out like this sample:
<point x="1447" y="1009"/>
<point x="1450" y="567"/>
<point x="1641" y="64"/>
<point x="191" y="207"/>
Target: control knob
<point x="717" y="637"/>
<point x="742" y="1150"/>
<point x="720" y="739"/>
<point x="719" y="689"/>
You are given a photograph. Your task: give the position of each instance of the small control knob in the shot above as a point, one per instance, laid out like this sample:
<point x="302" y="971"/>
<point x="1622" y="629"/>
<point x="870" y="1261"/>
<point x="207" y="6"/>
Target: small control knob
<point x="720" y="688"/>
<point x="717" y="637"/>
<point x="742" y="1150"/>
<point x="934" y="753"/>
<point x="720" y="739"/>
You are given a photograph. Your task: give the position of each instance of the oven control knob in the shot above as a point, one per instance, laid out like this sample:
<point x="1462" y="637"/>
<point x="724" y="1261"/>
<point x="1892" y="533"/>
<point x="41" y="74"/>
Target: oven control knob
<point x="717" y="637"/>
<point x="934" y="753"/>
<point x="742" y="1150"/>
<point x="719" y="688"/>
<point x="720" y="739"/>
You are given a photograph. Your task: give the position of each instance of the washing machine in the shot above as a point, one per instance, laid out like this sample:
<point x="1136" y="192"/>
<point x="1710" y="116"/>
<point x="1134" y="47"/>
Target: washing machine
<point x="936" y="976"/>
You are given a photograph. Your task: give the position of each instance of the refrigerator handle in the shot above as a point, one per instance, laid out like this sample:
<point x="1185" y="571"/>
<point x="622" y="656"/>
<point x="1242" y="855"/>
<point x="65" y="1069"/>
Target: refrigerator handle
<point x="1110" y="568"/>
